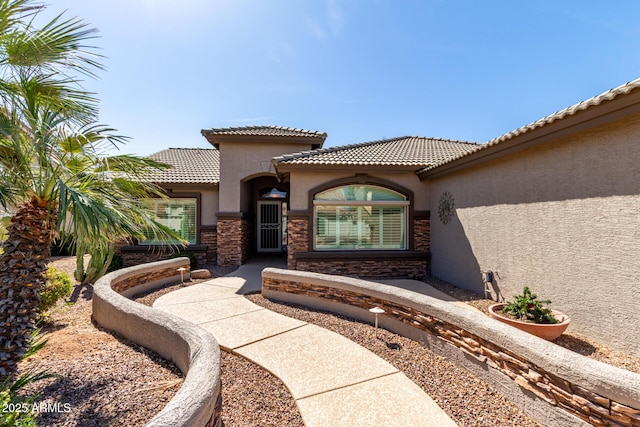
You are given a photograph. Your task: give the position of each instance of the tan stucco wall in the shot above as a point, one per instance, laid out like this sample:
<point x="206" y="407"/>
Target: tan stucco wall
<point x="209" y="200"/>
<point x="302" y="182"/>
<point x="240" y="161"/>
<point x="562" y="218"/>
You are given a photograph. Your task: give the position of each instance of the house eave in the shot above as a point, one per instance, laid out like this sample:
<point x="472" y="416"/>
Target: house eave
<point x="315" y="141"/>
<point x="599" y="115"/>
<point x="283" y="169"/>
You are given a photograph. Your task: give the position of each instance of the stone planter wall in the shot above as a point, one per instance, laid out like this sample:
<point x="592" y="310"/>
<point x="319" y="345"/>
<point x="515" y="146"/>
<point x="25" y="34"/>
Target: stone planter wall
<point x="553" y="385"/>
<point x="195" y="351"/>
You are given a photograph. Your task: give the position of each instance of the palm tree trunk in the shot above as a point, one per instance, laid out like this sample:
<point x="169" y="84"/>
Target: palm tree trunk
<point x="22" y="266"/>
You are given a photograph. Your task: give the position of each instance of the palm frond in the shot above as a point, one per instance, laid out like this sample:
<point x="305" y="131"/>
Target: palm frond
<point x="38" y="340"/>
<point x="29" y="378"/>
<point x="13" y="12"/>
<point x="57" y="45"/>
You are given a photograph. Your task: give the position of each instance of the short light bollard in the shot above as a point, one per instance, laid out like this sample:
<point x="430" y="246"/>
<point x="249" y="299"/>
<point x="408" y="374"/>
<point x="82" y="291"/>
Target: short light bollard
<point x="182" y="270"/>
<point x="376" y="310"/>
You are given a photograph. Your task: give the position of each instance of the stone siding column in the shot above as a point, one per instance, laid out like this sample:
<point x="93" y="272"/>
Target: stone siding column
<point x="298" y="237"/>
<point x="234" y="239"/>
<point x="209" y="237"/>
<point x="422" y="235"/>
<point x="247" y="238"/>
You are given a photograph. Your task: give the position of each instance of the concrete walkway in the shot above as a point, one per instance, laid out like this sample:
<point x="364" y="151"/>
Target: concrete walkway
<point x="334" y="381"/>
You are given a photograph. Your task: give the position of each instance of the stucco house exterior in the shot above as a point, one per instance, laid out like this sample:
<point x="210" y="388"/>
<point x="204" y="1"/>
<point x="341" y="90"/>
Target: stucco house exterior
<point x="554" y="205"/>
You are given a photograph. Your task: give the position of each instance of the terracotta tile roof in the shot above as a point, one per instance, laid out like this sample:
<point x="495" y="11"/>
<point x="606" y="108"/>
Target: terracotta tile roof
<point x="562" y="114"/>
<point x="190" y="166"/>
<point x="264" y="131"/>
<point x="403" y="151"/>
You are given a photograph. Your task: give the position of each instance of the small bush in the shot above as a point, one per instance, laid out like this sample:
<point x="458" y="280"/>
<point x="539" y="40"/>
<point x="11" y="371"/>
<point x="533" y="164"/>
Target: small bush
<point x="116" y="263"/>
<point x="57" y="286"/>
<point x="528" y="308"/>
<point x="63" y="246"/>
<point x="17" y="411"/>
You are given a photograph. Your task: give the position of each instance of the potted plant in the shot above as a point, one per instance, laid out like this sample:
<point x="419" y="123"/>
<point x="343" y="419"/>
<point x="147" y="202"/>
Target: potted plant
<point x="529" y="314"/>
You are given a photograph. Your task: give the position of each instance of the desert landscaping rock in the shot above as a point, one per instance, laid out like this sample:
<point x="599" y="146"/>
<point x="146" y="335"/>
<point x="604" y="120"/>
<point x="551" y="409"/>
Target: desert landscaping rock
<point x="201" y="274"/>
<point x="464" y="397"/>
<point x="136" y="388"/>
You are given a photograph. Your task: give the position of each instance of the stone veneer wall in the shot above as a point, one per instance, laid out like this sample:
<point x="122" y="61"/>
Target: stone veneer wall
<point x="141" y="255"/>
<point x="370" y="264"/>
<point x="297" y="239"/>
<point x="209" y="238"/>
<point x="367" y="267"/>
<point x="128" y="284"/>
<point x="234" y="240"/>
<point x="613" y="400"/>
<point x="421" y="233"/>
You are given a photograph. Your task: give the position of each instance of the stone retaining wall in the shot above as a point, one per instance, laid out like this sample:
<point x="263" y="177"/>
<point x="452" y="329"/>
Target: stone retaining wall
<point x="195" y="351"/>
<point x="139" y="254"/>
<point x="553" y="385"/>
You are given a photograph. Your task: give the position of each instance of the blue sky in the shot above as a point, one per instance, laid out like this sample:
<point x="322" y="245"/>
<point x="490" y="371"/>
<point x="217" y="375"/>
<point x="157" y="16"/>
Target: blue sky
<point x="359" y="70"/>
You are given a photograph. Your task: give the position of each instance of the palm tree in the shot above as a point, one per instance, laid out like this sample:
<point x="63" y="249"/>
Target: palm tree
<point x="54" y="173"/>
<point x="115" y="185"/>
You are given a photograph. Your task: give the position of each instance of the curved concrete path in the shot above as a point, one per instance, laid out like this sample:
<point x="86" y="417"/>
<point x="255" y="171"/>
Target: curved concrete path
<point x="334" y="381"/>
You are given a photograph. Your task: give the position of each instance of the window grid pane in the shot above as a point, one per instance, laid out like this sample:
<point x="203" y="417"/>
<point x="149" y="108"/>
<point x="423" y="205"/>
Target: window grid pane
<point x="360" y="227"/>
<point x="177" y="214"/>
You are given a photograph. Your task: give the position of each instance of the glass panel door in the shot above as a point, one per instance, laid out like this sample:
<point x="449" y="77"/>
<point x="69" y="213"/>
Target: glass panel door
<point x="269" y="226"/>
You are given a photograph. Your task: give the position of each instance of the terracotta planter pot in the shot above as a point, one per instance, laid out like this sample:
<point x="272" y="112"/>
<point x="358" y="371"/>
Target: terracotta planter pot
<point x="546" y="331"/>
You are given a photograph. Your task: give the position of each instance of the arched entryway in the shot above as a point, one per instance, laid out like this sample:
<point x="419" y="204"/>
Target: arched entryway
<point x="268" y="200"/>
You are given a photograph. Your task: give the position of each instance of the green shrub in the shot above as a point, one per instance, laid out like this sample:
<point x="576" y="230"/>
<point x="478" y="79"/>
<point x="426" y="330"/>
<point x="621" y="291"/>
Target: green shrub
<point x="116" y="263"/>
<point x="57" y="286"/>
<point x="5" y="221"/>
<point x="528" y="308"/>
<point x="193" y="261"/>
<point x="63" y="246"/>
<point x="17" y="411"/>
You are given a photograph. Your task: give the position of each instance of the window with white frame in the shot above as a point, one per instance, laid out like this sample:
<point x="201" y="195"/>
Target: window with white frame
<point x="360" y="217"/>
<point x="177" y="214"/>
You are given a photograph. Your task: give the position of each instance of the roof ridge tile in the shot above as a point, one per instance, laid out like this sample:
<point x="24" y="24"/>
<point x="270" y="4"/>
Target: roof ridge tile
<point x="335" y="149"/>
<point x="241" y="129"/>
<point x="596" y="100"/>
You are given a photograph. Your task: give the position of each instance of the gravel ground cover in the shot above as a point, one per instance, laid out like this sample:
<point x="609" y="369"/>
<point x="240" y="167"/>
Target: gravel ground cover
<point x="467" y="399"/>
<point x="104" y="380"/>
<point x="110" y="381"/>
<point x="251" y="396"/>
<point x="569" y="340"/>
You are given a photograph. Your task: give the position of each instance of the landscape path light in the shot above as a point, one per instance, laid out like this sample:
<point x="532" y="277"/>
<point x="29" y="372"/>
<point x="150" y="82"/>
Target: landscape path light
<point x="182" y="270"/>
<point x="377" y="310"/>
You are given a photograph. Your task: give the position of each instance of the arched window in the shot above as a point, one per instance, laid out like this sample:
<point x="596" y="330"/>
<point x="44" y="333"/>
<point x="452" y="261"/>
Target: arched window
<point x="360" y="217"/>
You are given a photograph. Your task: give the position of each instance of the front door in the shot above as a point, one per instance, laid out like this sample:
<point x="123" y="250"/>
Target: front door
<point x="269" y="226"/>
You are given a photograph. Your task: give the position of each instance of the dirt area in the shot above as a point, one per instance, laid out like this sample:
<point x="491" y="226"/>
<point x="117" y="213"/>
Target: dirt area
<point x="106" y="380"/>
<point x="103" y="380"/>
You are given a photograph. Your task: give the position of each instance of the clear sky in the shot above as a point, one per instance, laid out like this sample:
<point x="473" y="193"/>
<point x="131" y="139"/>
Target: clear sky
<point x="359" y="70"/>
